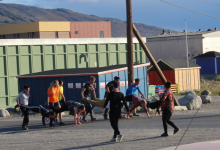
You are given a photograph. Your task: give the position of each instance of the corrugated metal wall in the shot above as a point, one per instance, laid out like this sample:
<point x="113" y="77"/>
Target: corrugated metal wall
<point x="24" y="59"/>
<point x="207" y="65"/>
<point x="39" y="86"/>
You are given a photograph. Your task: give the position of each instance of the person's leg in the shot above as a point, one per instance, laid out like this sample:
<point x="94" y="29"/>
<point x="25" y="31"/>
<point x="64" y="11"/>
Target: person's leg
<point x="170" y="122"/>
<point x="113" y="122"/>
<point x="25" y="112"/>
<point x="106" y="113"/>
<point x="164" y="119"/>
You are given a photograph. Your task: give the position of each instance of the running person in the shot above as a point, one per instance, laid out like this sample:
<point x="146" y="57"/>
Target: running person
<point x="53" y="95"/>
<point x="86" y="94"/>
<point x="60" y="100"/>
<point x="130" y="92"/>
<point x="168" y="107"/>
<point x="108" y="88"/>
<point x="46" y="114"/>
<point x="23" y="100"/>
<point x="115" y="97"/>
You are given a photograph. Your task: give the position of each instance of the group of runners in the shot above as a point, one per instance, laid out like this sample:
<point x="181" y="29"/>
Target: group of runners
<point x="113" y="100"/>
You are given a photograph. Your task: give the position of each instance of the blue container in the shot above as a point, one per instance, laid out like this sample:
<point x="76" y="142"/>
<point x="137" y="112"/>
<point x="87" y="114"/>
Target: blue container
<point x="74" y="80"/>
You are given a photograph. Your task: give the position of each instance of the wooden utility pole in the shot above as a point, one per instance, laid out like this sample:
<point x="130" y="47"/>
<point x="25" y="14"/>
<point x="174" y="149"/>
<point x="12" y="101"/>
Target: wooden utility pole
<point x="130" y="42"/>
<point x="150" y="57"/>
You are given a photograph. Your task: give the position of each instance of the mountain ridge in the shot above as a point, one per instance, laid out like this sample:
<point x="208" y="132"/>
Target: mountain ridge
<point x="17" y="13"/>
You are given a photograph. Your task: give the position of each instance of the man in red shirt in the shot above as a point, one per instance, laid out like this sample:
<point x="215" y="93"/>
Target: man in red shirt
<point x="167" y="99"/>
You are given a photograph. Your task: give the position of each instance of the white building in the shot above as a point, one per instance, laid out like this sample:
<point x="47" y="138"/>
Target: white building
<point x="173" y="45"/>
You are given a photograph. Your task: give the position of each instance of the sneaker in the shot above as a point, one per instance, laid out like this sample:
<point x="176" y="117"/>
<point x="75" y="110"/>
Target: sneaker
<point x="113" y="140"/>
<point x="83" y="119"/>
<point x="120" y="137"/>
<point x="93" y="119"/>
<point x="61" y="124"/>
<point x="55" y="121"/>
<point x="176" y="130"/>
<point x="136" y="115"/>
<point x="164" y="135"/>
<point x="24" y="128"/>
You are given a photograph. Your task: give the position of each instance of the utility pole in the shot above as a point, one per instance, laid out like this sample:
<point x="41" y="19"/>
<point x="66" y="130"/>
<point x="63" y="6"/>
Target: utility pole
<point x="130" y="42"/>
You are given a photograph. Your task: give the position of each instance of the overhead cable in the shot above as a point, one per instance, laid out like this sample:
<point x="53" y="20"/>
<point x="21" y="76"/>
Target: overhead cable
<point x="209" y="2"/>
<point x="190" y="9"/>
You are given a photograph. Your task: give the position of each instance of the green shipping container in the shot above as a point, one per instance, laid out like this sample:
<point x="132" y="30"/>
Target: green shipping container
<point x="25" y="56"/>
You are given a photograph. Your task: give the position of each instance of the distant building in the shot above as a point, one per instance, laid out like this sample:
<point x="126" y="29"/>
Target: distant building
<point x="173" y="45"/>
<point x="209" y="62"/>
<point x="177" y="72"/>
<point x="50" y="30"/>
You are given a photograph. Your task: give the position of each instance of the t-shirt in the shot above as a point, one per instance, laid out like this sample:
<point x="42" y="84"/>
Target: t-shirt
<point x="110" y="85"/>
<point x="131" y="90"/>
<point x="89" y="88"/>
<point x="60" y="97"/>
<point x="54" y="97"/>
<point x="23" y="97"/>
<point x="115" y="99"/>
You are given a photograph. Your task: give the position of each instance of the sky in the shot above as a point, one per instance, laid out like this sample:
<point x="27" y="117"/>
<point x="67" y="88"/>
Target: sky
<point x="150" y="12"/>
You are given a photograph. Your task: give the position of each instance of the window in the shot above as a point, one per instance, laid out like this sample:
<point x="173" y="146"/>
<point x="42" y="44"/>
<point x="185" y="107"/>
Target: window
<point x="0" y="36"/>
<point x="32" y="35"/>
<point x="18" y="36"/>
<point x="188" y="55"/>
<point x="101" y="34"/>
<point x="15" y="36"/>
<point x="76" y="32"/>
<point x="3" y="36"/>
<point x="56" y="35"/>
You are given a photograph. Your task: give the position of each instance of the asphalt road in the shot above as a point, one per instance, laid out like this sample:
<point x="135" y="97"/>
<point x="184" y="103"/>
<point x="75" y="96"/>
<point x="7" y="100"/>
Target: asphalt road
<point x="139" y="133"/>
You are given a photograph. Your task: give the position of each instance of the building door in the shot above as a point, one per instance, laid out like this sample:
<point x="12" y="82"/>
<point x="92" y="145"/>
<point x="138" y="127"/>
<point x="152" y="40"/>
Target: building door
<point x="101" y="34"/>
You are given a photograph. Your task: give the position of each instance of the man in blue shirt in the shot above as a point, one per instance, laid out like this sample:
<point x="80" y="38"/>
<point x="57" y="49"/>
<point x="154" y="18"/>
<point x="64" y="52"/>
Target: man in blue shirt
<point x="130" y="92"/>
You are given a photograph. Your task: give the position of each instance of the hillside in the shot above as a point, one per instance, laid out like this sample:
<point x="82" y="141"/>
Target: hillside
<point x="14" y="14"/>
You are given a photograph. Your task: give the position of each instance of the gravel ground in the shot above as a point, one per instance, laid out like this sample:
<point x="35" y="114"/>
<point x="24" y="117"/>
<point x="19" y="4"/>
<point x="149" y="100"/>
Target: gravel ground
<point x="139" y="133"/>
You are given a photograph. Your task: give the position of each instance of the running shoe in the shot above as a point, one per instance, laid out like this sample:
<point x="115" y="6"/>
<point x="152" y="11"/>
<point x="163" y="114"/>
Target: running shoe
<point x="176" y="130"/>
<point x="120" y="137"/>
<point x="61" y="124"/>
<point x="55" y="121"/>
<point x="84" y="120"/>
<point x="113" y="140"/>
<point x="164" y="135"/>
<point x="93" y="119"/>
<point x="135" y="114"/>
<point x="24" y="128"/>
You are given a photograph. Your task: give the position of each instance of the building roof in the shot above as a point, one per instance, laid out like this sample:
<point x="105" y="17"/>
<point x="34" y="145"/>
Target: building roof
<point x="178" y="34"/>
<point x="80" y="71"/>
<point x="211" y="54"/>
<point x="172" y="64"/>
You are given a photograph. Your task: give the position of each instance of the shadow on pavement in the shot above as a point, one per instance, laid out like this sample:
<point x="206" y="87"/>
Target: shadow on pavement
<point x="196" y="117"/>
<point x="107" y="143"/>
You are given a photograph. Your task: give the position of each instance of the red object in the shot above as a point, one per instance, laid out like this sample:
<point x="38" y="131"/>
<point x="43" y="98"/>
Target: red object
<point x="154" y="78"/>
<point x="90" y="29"/>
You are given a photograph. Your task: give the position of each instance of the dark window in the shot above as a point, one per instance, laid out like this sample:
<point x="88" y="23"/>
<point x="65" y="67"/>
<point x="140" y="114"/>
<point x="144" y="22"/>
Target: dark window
<point x="29" y="35"/>
<point x="32" y="35"/>
<point x="56" y="35"/>
<point x="3" y="37"/>
<point x="76" y="32"/>
<point x="188" y="55"/>
<point x="18" y="36"/>
<point x="15" y="36"/>
<point x="0" y="36"/>
<point x="101" y="34"/>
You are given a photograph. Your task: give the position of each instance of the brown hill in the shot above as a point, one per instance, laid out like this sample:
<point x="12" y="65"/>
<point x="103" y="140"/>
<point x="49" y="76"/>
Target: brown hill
<point x="14" y="14"/>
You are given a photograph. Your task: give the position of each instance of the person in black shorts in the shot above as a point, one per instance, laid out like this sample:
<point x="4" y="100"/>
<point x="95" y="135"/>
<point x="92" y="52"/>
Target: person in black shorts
<point x="109" y="88"/>
<point x="115" y="97"/>
<point x="86" y="94"/>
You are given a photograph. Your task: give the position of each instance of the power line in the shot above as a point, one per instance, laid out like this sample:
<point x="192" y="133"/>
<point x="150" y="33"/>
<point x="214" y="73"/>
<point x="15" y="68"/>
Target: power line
<point x="209" y="2"/>
<point x="190" y="9"/>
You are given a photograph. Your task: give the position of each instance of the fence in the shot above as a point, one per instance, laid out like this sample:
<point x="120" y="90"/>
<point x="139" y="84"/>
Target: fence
<point x="160" y="89"/>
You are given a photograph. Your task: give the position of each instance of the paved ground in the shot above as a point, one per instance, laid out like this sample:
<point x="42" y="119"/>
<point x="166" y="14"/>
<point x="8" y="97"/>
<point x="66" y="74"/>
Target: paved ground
<point x="140" y="132"/>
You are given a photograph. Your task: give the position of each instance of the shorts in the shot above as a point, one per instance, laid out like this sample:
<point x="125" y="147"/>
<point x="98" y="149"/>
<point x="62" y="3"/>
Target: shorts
<point x="54" y="104"/>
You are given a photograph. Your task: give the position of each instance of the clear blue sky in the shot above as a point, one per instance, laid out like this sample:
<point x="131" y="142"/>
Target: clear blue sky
<point x="150" y="12"/>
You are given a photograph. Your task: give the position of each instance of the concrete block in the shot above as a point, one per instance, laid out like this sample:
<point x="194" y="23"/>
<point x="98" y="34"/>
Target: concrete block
<point x="180" y="108"/>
